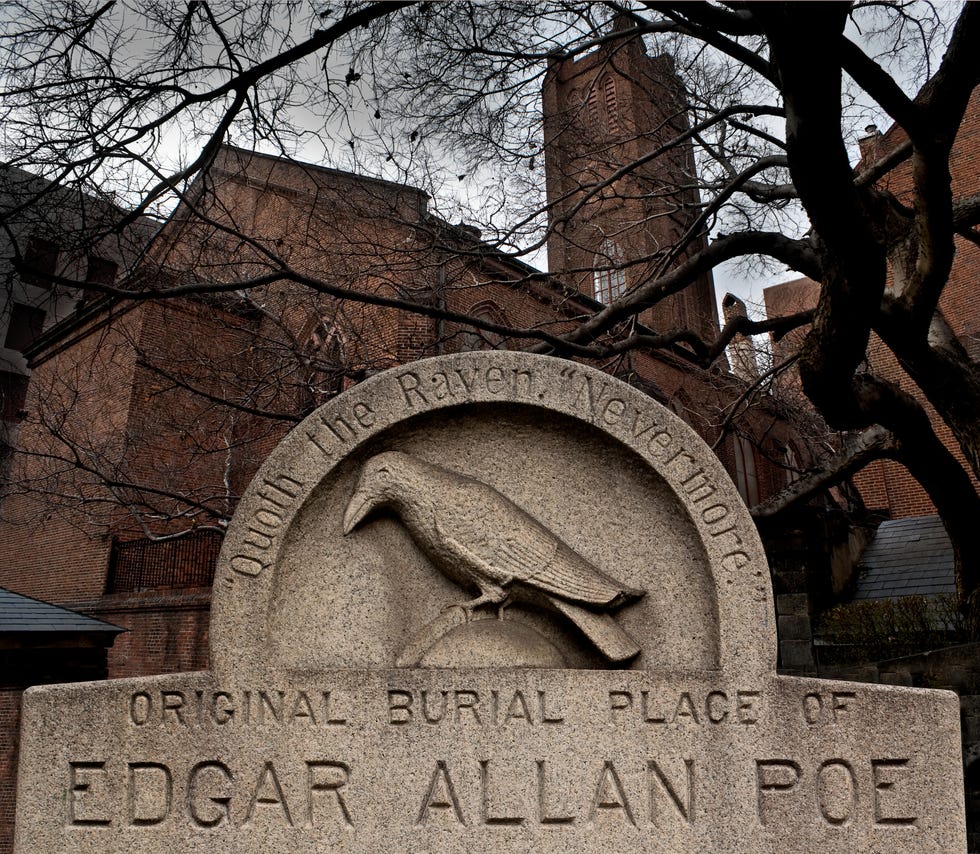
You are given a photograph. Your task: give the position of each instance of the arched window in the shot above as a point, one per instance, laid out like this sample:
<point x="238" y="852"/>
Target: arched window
<point x="326" y="366"/>
<point x="609" y="278"/>
<point x="474" y="338"/>
<point x="746" y="478"/>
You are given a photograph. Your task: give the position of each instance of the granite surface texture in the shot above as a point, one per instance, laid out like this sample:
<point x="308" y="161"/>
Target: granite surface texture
<point x="490" y="602"/>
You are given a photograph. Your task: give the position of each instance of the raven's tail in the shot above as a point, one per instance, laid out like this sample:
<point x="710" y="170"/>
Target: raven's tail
<point x="601" y="629"/>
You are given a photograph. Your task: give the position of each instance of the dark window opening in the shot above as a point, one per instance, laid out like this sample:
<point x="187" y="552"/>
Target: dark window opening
<point x="26" y="323"/>
<point x="13" y="393"/>
<point x="101" y="271"/>
<point x="40" y="260"/>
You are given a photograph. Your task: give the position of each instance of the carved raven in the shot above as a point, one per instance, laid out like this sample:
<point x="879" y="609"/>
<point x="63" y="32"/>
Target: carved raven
<point x="481" y="539"/>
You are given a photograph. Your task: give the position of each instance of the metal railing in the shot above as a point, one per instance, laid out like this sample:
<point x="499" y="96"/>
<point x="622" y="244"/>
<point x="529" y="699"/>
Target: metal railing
<point x="188" y="561"/>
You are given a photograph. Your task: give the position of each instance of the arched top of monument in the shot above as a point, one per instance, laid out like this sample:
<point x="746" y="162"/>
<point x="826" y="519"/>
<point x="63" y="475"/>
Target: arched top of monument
<point x="595" y="521"/>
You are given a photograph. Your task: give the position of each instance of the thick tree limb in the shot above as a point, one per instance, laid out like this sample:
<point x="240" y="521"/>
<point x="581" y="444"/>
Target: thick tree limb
<point x="854" y="275"/>
<point x="882" y="87"/>
<point x="942" y="369"/>
<point x="686" y="15"/>
<point x="966" y="212"/>
<point x="797" y="254"/>
<point x="858" y="451"/>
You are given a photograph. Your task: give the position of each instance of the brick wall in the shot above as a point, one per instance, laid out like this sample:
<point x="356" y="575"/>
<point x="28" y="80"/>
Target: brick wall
<point x="56" y="523"/>
<point x="9" y="741"/>
<point x="166" y="632"/>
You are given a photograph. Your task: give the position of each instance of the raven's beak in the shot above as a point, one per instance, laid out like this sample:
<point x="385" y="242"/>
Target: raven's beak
<point x="360" y="505"/>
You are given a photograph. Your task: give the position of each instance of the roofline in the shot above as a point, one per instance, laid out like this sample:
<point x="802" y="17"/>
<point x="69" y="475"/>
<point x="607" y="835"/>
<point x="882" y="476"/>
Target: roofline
<point x="327" y="170"/>
<point x="482" y="251"/>
<point x="35" y="352"/>
<point x="105" y="627"/>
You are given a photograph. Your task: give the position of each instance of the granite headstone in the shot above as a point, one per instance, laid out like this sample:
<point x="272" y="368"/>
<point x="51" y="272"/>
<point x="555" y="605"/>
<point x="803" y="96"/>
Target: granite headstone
<point x="490" y="602"/>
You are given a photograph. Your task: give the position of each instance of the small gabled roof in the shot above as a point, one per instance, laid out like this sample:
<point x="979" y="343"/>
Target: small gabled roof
<point x="908" y="557"/>
<point x="20" y="613"/>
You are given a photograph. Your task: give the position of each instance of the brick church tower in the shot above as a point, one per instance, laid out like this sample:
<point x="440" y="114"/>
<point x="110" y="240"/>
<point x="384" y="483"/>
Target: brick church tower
<point x="605" y="111"/>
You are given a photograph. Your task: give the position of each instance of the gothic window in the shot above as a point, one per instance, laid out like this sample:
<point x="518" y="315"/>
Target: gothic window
<point x="481" y="339"/>
<point x="603" y="106"/>
<point x="609" y="278"/>
<point x="791" y="462"/>
<point x="746" y="478"/>
<point x="325" y="361"/>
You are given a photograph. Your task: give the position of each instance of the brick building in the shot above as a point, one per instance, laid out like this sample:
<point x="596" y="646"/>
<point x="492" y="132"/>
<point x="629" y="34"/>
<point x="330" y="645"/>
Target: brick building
<point x="885" y="484"/>
<point x="51" y="232"/>
<point x="176" y="403"/>
<point x="146" y="419"/>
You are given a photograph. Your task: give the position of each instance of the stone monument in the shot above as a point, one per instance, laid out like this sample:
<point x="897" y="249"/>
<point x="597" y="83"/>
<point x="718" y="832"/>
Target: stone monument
<point x="490" y="602"/>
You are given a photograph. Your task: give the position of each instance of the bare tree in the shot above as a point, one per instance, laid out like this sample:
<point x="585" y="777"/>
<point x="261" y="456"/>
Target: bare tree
<point x="447" y="97"/>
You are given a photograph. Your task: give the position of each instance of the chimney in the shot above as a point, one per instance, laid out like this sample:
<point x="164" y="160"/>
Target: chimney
<point x="741" y="351"/>
<point x="872" y="145"/>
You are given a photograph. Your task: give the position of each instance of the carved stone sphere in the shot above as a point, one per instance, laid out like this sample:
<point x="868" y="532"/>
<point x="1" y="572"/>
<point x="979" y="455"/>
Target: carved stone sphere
<point x="493" y="643"/>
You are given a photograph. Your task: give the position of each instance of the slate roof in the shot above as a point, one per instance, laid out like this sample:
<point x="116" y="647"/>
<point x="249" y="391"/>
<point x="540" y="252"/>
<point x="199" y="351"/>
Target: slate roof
<point x="23" y="614"/>
<point x="908" y="557"/>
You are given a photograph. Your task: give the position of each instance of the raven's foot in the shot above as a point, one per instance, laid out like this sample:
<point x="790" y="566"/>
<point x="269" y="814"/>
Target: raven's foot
<point x="488" y="596"/>
<point x="457" y="606"/>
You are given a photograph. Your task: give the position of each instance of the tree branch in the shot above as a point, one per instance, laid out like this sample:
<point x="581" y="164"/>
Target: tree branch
<point x="858" y="451"/>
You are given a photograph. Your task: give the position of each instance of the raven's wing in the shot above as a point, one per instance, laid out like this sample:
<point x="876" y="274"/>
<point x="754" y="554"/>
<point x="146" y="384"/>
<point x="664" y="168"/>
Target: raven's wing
<point x="508" y="544"/>
<point x="501" y="555"/>
<point x="572" y="577"/>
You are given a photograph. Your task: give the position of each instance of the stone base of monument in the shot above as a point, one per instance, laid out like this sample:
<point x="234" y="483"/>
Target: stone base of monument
<point x="490" y="602"/>
<point x="543" y="760"/>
